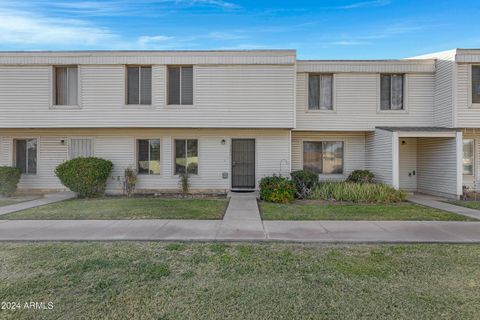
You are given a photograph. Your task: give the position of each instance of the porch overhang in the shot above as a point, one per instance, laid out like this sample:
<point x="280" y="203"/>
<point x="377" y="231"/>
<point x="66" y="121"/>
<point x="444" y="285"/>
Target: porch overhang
<point x="421" y="132"/>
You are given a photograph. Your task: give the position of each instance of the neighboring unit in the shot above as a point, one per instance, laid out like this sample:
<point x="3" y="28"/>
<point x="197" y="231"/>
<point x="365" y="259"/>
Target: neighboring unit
<point x="232" y="117"/>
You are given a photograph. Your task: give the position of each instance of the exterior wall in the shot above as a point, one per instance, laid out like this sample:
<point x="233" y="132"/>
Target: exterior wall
<point x="444" y="90"/>
<point x="225" y="96"/>
<point x="118" y="145"/>
<point x="408" y="164"/>
<point x="467" y="113"/>
<point x="356" y="103"/>
<point x="379" y="155"/>
<point x="353" y="148"/>
<point x="437" y="166"/>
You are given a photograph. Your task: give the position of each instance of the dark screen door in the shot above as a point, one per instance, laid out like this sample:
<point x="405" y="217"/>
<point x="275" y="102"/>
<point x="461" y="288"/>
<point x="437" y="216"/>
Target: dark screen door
<point x="243" y="163"/>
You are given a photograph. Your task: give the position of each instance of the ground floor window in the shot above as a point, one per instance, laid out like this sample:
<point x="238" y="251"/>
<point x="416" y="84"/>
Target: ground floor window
<point x="186" y="156"/>
<point x="26" y="155"/>
<point x="323" y="157"/>
<point x="80" y="147"/>
<point x="148" y="156"/>
<point x="468" y="156"/>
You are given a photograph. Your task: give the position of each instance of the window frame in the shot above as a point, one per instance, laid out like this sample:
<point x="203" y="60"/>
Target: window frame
<point x="14" y="154"/>
<point x="344" y="144"/>
<point x="470" y="87"/>
<point x="307" y="93"/>
<point x="137" y="156"/>
<point x="53" y="91"/>
<point x="80" y="138"/>
<point x="167" y="86"/>
<point x="174" y="157"/>
<point x="405" y="93"/>
<point x="138" y="105"/>
<point x="473" y="157"/>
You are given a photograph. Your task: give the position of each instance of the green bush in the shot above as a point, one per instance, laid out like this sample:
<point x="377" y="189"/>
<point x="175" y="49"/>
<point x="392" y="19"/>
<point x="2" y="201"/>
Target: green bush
<point x="9" y="178"/>
<point x="361" y="176"/>
<point x="357" y="192"/>
<point x="85" y="176"/>
<point x="277" y="189"/>
<point x="304" y="181"/>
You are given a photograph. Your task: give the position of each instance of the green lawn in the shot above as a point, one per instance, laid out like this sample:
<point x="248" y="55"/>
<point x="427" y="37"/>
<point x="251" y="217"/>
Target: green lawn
<point x="468" y="204"/>
<point x="301" y="210"/>
<point x="145" y="280"/>
<point x="126" y="208"/>
<point x="6" y="202"/>
<point x="14" y="200"/>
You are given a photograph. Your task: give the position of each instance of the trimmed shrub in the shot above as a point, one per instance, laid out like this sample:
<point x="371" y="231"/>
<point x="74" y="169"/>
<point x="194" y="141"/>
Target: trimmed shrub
<point x="304" y="181"/>
<point x="277" y="189"/>
<point x="9" y="178"/>
<point x="85" y="176"/>
<point x="361" y="176"/>
<point x="357" y="192"/>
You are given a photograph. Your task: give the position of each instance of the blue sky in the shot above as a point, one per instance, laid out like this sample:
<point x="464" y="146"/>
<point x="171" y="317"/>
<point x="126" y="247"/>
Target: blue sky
<point x="346" y="29"/>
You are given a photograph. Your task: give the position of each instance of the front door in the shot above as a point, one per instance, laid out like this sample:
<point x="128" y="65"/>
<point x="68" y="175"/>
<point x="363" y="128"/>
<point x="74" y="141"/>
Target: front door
<point x="243" y="163"/>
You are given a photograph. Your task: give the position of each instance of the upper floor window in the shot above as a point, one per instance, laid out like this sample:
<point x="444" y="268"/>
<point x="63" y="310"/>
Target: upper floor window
<point x="468" y="156"/>
<point x="325" y="157"/>
<point x="66" y="86"/>
<point x="180" y="85"/>
<point x="320" y="92"/>
<point x="139" y="85"/>
<point x="26" y="155"/>
<point x="148" y="156"/>
<point x="391" y="92"/>
<point x="476" y="84"/>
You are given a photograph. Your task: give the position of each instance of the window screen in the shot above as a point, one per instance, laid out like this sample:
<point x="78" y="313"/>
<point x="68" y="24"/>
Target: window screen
<point x="180" y="85"/>
<point x="186" y="156"/>
<point x="148" y="156"/>
<point x="66" y="86"/>
<point x="80" y="148"/>
<point x="139" y="85"/>
<point x="325" y="157"/>
<point x="320" y="92"/>
<point x="391" y="92"/>
<point x="26" y="155"/>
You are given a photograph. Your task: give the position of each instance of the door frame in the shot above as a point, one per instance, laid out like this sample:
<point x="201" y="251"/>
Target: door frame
<point x="254" y="165"/>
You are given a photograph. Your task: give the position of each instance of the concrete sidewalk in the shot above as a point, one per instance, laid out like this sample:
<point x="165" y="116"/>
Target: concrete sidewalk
<point x="47" y="199"/>
<point x="217" y="230"/>
<point x="439" y="203"/>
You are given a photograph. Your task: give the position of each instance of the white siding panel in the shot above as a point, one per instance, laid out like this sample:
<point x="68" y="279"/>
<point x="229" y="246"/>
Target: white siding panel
<point x="467" y="115"/>
<point x="261" y="96"/>
<point x="408" y="164"/>
<point x="379" y="155"/>
<point x="353" y="148"/>
<point x="444" y="91"/>
<point x="356" y="100"/>
<point x="436" y="165"/>
<point x="386" y="66"/>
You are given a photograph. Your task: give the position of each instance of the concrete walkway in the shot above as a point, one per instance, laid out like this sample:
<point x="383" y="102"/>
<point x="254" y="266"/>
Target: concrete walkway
<point x="47" y="199"/>
<point x="439" y="203"/>
<point x="241" y="222"/>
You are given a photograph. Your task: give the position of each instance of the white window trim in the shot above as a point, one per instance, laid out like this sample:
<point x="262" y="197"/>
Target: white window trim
<point x="194" y="92"/>
<point x="136" y="156"/>
<point x="136" y="106"/>
<point x="69" y="141"/>
<point x="327" y="139"/>
<point x="52" y="81"/>
<point x="173" y="155"/>
<point x="334" y="106"/>
<point x="469" y="89"/>
<point x="405" y="94"/>
<point x="14" y="155"/>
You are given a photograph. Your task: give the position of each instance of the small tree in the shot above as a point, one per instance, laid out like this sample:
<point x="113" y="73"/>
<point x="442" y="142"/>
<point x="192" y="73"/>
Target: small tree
<point x="130" y="181"/>
<point x="185" y="181"/>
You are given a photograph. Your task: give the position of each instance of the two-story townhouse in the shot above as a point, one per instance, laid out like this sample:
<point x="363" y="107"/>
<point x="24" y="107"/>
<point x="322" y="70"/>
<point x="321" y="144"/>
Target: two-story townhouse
<point x="232" y="117"/>
<point x="225" y="116"/>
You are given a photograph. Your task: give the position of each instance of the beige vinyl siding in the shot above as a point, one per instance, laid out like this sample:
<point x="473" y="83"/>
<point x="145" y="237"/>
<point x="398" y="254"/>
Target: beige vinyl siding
<point x="408" y="164"/>
<point x="437" y="166"/>
<point x="379" y="155"/>
<point x="245" y="96"/>
<point x="118" y="146"/>
<point x="353" y="150"/>
<point x="444" y="91"/>
<point x="150" y="57"/>
<point x="367" y="66"/>
<point x="467" y="114"/>
<point x="356" y="104"/>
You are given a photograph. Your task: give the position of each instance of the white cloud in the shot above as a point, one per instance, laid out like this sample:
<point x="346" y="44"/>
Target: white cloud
<point x="366" y="4"/>
<point x="146" y="41"/>
<point x="18" y="27"/>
